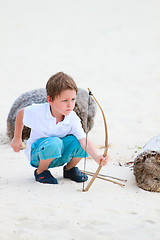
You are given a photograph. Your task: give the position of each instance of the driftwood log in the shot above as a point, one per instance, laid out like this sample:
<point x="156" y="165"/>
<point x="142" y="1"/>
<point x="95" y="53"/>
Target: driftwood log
<point x="147" y="166"/>
<point x="85" y="113"/>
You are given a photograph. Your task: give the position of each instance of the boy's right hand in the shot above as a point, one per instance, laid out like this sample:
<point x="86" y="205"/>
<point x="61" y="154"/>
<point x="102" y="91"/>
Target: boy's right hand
<point x="16" y="144"/>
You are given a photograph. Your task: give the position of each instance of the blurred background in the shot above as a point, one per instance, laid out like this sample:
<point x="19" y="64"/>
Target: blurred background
<point x="112" y="47"/>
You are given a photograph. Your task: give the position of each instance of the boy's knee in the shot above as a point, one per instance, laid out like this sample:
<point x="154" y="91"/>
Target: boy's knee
<point x="53" y="144"/>
<point x="72" y="138"/>
<point x="55" y="141"/>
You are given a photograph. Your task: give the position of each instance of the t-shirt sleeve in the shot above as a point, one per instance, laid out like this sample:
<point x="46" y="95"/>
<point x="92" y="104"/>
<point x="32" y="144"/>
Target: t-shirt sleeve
<point x="77" y="129"/>
<point x="28" y="116"/>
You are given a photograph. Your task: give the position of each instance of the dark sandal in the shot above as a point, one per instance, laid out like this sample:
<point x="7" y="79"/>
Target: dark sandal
<point x="74" y="174"/>
<point x="45" y="177"/>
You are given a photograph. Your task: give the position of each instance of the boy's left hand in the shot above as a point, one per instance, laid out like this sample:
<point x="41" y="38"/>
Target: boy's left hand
<point x="102" y="160"/>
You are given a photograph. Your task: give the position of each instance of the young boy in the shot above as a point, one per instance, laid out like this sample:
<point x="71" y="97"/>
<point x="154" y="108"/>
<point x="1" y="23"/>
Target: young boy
<point x="57" y="136"/>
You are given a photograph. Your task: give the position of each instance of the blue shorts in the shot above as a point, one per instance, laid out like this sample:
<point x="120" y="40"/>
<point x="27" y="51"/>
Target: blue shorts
<point x="61" y="149"/>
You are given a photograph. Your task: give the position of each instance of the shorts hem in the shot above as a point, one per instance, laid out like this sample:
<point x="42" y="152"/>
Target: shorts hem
<point x="50" y="157"/>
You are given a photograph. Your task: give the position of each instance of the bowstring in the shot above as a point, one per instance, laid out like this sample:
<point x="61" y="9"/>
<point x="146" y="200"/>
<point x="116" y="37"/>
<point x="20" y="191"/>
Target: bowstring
<point x="85" y="159"/>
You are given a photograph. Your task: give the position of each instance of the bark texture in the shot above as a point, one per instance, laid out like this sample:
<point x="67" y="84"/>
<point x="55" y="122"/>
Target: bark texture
<point x="147" y="166"/>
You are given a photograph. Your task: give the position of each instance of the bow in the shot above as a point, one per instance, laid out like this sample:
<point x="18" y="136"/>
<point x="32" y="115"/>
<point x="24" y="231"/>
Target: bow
<point x="106" y="144"/>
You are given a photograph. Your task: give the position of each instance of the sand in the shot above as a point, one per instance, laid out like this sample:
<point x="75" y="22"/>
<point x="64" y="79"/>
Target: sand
<point x="113" y="48"/>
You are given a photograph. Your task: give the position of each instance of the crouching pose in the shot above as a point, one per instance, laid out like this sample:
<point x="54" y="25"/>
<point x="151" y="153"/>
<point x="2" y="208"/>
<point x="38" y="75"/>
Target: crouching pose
<point x="57" y="137"/>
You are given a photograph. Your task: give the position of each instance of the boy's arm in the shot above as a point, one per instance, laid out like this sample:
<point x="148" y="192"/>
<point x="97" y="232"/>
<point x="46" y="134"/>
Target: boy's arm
<point x="16" y="142"/>
<point x="91" y="150"/>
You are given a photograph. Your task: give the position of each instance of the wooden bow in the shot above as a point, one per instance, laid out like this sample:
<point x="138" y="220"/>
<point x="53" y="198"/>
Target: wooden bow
<point x="106" y="144"/>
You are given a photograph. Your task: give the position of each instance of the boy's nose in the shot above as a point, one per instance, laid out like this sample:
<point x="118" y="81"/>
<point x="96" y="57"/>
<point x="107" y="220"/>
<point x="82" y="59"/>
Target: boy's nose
<point x="69" y="104"/>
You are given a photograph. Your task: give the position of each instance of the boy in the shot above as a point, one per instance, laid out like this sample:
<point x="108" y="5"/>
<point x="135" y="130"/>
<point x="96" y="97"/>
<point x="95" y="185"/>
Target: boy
<point x="57" y="136"/>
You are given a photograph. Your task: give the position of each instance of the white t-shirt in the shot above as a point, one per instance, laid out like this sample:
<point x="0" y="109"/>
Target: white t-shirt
<point x="38" y="117"/>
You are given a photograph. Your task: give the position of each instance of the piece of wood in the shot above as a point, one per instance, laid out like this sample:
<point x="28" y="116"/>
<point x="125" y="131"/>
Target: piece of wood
<point x="147" y="166"/>
<point x="93" y="178"/>
<point x="103" y="178"/>
<point x="103" y="175"/>
<point x="106" y="144"/>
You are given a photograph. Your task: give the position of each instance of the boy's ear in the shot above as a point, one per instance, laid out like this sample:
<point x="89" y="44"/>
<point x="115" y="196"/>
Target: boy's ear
<point x="49" y="99"/>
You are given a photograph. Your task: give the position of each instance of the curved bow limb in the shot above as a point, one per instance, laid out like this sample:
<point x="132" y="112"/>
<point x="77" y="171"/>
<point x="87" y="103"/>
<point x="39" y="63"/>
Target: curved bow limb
<point x="106" y="144"/>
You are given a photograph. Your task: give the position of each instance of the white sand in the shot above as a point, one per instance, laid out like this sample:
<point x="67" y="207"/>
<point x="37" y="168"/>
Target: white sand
<point x="113" y="47"/>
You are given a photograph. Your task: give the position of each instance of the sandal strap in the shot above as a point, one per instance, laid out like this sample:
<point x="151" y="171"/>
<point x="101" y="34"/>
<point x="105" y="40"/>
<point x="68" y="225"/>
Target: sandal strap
<point x="74" y="174"/>
<point x="45" y="177"/>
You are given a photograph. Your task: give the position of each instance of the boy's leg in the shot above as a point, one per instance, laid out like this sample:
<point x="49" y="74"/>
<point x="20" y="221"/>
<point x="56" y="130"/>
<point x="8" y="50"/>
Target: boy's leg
<point x="72" y="172"/>
<point x="43" y="153"/>
<point x="72" y="163"/>
<point x="43" y="165"/>
<point x="73" y="153"/>
<point x="65" y="150"/>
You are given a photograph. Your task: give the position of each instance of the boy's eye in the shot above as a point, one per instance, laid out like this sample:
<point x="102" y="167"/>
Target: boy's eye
<point x="73" y="99"/>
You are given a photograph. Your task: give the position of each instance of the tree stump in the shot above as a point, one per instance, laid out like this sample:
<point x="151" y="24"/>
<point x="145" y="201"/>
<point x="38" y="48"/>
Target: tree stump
<point x="84" y="107"/>
<point x="147" y="166"/>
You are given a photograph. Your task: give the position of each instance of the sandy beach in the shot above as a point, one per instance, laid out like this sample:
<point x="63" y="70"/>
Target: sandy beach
<point x="112" y="47"/>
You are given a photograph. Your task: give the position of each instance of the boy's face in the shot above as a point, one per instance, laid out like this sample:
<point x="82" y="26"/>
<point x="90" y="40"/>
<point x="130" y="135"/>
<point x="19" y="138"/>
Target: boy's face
<point x="64" y="103"/>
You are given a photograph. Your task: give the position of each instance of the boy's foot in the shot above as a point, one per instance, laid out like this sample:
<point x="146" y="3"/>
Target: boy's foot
<point x="45" y="177"/>
<point x="74" y="174"/>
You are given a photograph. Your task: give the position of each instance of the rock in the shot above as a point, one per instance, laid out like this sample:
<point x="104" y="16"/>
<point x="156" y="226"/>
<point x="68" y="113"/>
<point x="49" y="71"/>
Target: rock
<point x="39" y="96"/>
